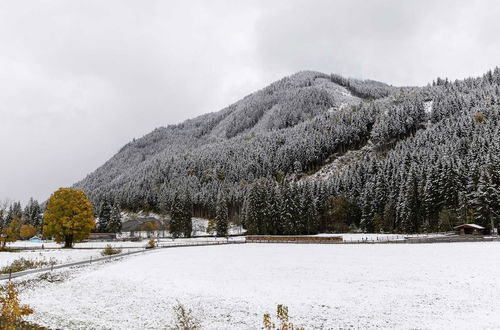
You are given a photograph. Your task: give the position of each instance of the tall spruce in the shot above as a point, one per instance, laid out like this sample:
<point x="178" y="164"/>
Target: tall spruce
<point x="115" y="220"/>
<point x="222" y="215"/>
<point x="104" y="215"/>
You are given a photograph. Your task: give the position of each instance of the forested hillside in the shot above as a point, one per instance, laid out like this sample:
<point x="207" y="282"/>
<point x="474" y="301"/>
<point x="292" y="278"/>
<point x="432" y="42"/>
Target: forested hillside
<point x="315" y="152"/>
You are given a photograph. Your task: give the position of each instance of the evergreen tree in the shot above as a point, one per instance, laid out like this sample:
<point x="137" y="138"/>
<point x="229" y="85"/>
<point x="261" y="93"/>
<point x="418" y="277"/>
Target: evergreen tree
<point x="177" y="214"/>
<point x="15" y="212"/>
<point x="115" y="220"/>
<point x="187" y="213"/>
<point x="104" y="215"/>
<point x="411" y="209"/>
<point x="485" y="201"/>
<point x="310" y="219"/>
<point x="431" y="201"/>
<point x="33" y="213"/>
<point x="222" y="216"/>
<point x="291" y="215"/>
<point x="390" y="216"/>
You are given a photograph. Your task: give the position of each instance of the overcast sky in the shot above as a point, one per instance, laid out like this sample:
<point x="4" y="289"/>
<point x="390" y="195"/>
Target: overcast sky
<point x="79" y="79"/>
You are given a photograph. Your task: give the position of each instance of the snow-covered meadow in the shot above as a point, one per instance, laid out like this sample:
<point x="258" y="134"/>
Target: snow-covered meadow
<point x="414" y="286"/>
<point x="121" y="244"/>
<point x="58" y="255"/>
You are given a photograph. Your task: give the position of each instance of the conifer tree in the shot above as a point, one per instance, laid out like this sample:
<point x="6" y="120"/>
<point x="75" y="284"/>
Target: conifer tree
<point x="176" y="217"/>
<point x="187" y="213"/>
<point x="222" y="216"/>
<point x="485" y="201"/>
<point x="104" y="215"/>
<point x="15" y="212"/>
<point x="115" y="220"/>
<point x="411" y="209"/>
<point x="32" y="214"/>
<point x="431" y="200"/>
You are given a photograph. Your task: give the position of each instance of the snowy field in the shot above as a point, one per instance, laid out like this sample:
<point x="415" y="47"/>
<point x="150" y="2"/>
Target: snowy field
<point x="122" y="244"/>
<point x="60" y="256"/>
<point x="414" y="286"/>
<point x="168" y="241"/>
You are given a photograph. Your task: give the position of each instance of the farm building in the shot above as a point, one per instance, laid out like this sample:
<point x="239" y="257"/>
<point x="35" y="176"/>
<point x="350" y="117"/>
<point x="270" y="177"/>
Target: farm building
<point x="143" y="227"/>
<point x="469" y="229"/>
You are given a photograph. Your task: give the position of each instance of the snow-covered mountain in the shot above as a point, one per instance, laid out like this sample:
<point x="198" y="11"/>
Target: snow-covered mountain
<point x="363" y="140"/>
<point x="277" y="108"/>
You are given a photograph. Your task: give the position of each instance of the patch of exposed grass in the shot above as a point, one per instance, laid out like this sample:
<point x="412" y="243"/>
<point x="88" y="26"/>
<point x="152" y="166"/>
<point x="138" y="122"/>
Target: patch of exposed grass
<point x="6" y="249"/>
<point x="21" y="264"/>
<point x="23" y="325"/>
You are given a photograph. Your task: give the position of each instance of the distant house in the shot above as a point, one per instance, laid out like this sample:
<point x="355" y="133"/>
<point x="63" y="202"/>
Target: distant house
<point x="469" y="229"/>
<point x="101" y="236"/>
<point x="35" y="239"/>
<point x="143" y="227"/>
<point x="138" y="224"/>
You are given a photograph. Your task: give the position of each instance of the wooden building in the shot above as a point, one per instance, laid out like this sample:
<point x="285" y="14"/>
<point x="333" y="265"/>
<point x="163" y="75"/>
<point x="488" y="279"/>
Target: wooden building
<point x="469" y="229"/>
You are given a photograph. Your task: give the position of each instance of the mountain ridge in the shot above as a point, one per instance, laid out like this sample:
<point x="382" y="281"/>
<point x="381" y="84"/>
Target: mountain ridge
<point x="293" y="128"/>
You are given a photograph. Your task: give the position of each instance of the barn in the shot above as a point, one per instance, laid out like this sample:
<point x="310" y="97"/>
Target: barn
<point x="469" y="229"/>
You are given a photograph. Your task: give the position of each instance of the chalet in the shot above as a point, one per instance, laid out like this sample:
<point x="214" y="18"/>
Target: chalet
<point x="469" y="229"/>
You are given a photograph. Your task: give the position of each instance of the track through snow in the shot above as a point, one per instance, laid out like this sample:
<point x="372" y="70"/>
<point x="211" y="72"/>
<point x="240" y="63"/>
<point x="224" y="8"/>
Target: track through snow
<point x="421" y="286"/>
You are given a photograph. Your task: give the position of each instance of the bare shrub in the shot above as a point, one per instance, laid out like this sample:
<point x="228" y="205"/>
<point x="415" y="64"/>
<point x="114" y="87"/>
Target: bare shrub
<point x="109" y="251"/>
<point x="282" y="317"/>
<point x="184" y="319"/>
<point x="151" y="244"/>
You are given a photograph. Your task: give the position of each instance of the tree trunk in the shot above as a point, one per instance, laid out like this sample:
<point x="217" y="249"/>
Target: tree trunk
<point x="68" y="241"/>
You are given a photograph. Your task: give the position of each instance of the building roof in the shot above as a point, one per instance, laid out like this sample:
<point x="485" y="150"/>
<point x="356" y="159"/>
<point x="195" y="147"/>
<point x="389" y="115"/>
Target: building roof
<point x="468" y="225"/>
<point x="135" y="224"/>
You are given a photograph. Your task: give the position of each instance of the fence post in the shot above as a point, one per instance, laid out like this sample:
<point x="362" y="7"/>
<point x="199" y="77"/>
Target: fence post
<point x="10" y="274"/>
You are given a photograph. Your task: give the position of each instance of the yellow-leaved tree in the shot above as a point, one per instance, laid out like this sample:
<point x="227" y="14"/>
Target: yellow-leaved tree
<point x="11" y="310"/>
<point x="10" y="233"/>
<point x="27" y="231"/>
<point x="69" y="216"/>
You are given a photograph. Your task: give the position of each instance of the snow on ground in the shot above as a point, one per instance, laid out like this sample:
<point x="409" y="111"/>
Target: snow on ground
<point x="120" y="244"/>
<point x="60" y="255"/>
<point x="414" y="286"/>
<point x="340" y="163"/>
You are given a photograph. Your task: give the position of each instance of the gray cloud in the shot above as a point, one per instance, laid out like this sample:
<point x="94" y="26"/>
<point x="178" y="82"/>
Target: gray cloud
<point x="78" y="79"/>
